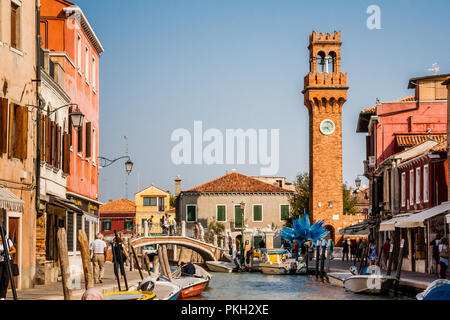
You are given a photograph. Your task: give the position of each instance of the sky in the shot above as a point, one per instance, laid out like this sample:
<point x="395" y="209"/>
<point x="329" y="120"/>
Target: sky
<point x="240" y="64"/>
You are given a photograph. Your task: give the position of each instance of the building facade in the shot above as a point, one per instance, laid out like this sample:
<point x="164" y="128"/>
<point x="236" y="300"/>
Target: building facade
<point x="17" y="132"/>
<point x="118" y="215"/>
<point x="325" y="92"/>
<point x="266" y="206"/>
<point x="152" y="203"/>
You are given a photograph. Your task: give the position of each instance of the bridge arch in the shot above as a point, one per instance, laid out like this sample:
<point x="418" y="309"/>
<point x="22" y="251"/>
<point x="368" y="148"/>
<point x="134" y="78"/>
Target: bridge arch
<point x="207" y="251"/>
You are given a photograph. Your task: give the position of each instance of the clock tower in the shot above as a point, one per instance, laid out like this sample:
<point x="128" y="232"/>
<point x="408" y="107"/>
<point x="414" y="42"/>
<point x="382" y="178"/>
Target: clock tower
<point x="325" y="92"/>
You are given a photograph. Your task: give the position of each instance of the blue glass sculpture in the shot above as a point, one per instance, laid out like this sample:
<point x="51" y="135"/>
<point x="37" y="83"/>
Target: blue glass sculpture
<point x="302" y="231"/>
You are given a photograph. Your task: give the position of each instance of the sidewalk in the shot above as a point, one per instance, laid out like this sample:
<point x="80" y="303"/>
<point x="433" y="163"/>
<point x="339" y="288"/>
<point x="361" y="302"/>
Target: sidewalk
<point x="414" y="280"/>
<point x="54" y="291"/>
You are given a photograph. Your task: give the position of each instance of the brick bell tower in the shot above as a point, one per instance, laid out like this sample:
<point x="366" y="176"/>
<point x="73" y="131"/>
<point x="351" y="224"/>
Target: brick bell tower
<point x="325" y="92"/>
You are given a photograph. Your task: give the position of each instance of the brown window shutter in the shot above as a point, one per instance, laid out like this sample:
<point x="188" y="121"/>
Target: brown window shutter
<point x="66" y="157"/>
<point x="88" y="139"/>
<point x="48" y="140"/>
<point x="58" y="147"/>
<point x="13" y="25"/>
<point x="3" y="125"/>
<point x="21" y="133"/>
<point x="11" y="128"/>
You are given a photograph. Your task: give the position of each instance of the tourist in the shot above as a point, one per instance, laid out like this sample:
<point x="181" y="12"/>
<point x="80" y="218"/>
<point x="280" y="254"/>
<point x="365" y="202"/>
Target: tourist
<point x="443" y="258"/>
<point x="196" y="231"/>
<point x="331" y="249"/>
<point x="172" y="222"/>
<point x="295" y="249"/>
<point x="435" y="253"/>
<point x="166" y="225"/>
<point x="353" y="250"/>
<point x="249" y="257"/>
<point x="345" y="250"/>
<point x="122" y="250"/>
<point x="386" y="251"/>
<point x="150" y="224"/>
<point x="4" y="276"/>
<point x="372" y="252"/>
<point x="230" y="244"/>
<point x="201" y="232"/>
<point x="161" y="224"/>
<point x="287" y="245"/>
<point x="98" y="249"/>
<point x="187" y="270"/>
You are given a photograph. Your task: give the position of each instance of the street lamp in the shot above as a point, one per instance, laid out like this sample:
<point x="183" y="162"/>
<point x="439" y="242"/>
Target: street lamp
<point x="107" y="162"/>
<point x="242" y="204"/>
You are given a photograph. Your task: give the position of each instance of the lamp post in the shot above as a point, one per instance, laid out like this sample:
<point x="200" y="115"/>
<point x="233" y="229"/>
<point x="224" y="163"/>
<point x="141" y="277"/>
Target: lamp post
<point x="75" y="117"/>
<point x="107" y="162"/>
<point x="242" y="204"/>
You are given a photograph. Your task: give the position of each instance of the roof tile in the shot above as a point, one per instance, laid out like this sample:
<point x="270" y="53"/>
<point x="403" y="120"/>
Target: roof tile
<point x="121" y="205"/>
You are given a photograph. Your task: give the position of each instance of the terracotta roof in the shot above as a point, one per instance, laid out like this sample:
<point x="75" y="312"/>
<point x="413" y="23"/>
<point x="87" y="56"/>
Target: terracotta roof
<point x="236" y="182"/>
<point x="441" y="147"/>
<point x="121" y="205"/>
<point x="373" y="109"/>
<point x="412" y="139"/>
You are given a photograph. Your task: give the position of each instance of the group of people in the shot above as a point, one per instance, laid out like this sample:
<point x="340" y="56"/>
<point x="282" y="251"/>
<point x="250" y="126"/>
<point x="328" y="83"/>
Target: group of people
<point x="167" y="224"/>
<point x="440" y="253"/>
<point x="353" y="250"/>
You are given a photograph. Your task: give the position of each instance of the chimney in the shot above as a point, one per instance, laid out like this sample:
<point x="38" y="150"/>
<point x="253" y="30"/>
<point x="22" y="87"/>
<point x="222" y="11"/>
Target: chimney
<point x="177" y="186"/>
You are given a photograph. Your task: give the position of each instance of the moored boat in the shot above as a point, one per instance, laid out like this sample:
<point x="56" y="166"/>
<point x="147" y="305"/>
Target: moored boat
<point x="163" y="290"/>
<point x="437" y="290"/>
<point x="190" y="286"/>
<point x="371" y="284"/>
<point x="337" y="278"/>
<point x="220" y="266"/>
<point x="130" y="295"/>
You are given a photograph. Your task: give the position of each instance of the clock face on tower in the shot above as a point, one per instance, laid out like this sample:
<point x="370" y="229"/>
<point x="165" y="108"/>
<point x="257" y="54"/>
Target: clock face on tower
<point x="327" y="127"/>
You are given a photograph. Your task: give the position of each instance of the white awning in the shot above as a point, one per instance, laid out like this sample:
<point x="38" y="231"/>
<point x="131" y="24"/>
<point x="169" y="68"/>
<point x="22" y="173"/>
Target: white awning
<point x="90" y="217"/>
<point x="389" y="225"/>
<point x="9" y="201"/>
<point x="416" y="220"/>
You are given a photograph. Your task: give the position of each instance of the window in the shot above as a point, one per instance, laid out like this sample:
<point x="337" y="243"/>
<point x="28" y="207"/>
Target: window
<point x="94" y="73"/>
<point x="411" y="187"/>
<point x="128" y="224"/>
<point x="106" y="225"/>
<point x="80" y="139"/>
<point x="79" y="53"/>
<point x="284" y="210"/>
<point x="15" y="25"/>
<point x="425" y="183"/>
<point x="257" y="212"/>
<point x="18" y="131"/>
<point x="161" y="205"/>
<point x="94" y="143"/>
<point x="238" y="216"/>
<point x="221" y="213"/>
<point x="403" y="189"/>
<point x="150" y="202"/>
<point x="69" y="231"/>
<point x="418" y="189"/>
<point x="88" y="139"/>
<point x="191" y="211"/>
<point x="86" y="67"/>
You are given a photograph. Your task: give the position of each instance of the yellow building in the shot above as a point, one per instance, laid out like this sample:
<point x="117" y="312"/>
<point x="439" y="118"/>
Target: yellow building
<point x="152" y="202"/>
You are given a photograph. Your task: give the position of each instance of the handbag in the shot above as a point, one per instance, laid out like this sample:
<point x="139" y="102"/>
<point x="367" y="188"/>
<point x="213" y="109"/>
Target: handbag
<point x="15" y="269"/>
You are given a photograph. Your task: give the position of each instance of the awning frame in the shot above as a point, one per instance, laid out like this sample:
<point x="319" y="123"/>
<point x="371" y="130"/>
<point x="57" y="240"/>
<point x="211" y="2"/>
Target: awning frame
<point x="9" y="201"/>
<point x="417" y="220"/>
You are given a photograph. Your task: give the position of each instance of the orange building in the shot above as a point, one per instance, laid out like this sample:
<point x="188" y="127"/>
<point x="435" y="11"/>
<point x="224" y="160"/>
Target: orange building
<point x="72" y="43"/>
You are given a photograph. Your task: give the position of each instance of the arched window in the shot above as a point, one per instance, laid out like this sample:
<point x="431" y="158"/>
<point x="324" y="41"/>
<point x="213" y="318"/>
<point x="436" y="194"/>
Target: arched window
<point x="321" y="61"/>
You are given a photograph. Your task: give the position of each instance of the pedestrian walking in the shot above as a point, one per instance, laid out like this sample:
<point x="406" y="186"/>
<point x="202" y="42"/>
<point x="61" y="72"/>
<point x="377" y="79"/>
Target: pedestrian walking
<point x="372" y="253"/>
<point x="435" y="254"/>
<point x="295" y="249"/>
<point x="98" y="249"/>
<point x="4" y="276"/>
<point x="166" y="225"/>
<point x="353" y="250"/>
<point x="386" y="251"/>
<point x="150" y="224"/>
<point x="196" y="231"/>
<point x="201" y="232"/>
<point x="230" y="244"/>
<point x="171" y="221"/>
<point x="345" y="250"/>
<point x="161" y="224"/>
<point x="443" y="258"/>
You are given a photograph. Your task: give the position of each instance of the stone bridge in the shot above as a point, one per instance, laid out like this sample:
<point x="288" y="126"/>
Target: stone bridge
<point x="206" y="250"/>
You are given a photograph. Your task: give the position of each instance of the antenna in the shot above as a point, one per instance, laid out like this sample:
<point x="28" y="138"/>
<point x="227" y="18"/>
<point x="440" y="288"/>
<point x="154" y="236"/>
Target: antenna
<point x="126" y="176"/>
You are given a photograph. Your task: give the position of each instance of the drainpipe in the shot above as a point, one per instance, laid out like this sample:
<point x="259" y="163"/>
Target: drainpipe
<point x="38" y="100"/>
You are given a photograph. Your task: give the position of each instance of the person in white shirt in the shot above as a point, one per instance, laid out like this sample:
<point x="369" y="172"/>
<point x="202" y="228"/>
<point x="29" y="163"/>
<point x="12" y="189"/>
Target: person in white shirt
<point x="201" y="232"/>
<point x="98" y="250"/>
<point x="4" y="277"/>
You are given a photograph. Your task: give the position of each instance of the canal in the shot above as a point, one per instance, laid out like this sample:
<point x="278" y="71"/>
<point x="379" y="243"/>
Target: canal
<point x="257" y="286"/>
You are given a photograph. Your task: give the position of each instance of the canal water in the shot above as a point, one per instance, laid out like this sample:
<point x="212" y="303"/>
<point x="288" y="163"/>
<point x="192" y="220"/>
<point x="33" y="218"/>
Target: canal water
<point x="257" y="286"/>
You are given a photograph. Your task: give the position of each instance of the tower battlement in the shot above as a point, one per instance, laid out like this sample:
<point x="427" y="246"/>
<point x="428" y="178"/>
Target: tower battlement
<point x="320" y="37"/>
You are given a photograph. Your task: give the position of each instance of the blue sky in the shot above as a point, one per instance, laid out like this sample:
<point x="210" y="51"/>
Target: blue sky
<point x="240" y="64"/>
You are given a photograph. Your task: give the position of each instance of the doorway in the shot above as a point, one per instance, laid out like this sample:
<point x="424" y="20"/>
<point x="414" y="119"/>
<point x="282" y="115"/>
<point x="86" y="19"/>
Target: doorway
<point x="14" y="236"/>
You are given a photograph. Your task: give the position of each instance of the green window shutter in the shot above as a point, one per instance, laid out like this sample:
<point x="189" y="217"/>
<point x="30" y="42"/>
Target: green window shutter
<point x="257" y="213"/>
<point x="221" y="213"/>
<point x="284" y="212"/>
<point x="191" y="213"/>
<point x="238" y="217"/>
<point x="128" y="224"/>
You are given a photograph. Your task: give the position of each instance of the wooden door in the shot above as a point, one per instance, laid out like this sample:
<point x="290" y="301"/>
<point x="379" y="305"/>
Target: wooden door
<point x="14" y="233"/>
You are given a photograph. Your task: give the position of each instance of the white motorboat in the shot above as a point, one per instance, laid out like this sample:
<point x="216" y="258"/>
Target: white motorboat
<point x="220" y="266"/>
<point x="163" y="290"/>
<point x="338" y="278"/>
<point x="278" y="261"/>
<point x="369" y="283"/>
<point x="437" y="290"/>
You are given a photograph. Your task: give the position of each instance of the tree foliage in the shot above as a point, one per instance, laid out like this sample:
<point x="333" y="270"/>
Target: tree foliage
<point x="215" y="228"/>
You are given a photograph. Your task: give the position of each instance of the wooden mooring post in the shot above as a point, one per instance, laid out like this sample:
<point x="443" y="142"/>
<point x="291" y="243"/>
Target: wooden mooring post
<point x="399" y="267"/>
<point x="318" y="247"/>
<point x="85" y="259"/>
<point x="322" y="260"/>
<point x="64" y="263"/>
<point x="136" y="262"/>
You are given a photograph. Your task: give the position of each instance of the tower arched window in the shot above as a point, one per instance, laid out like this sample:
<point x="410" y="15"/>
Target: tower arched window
<point x="321" y="61"/>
